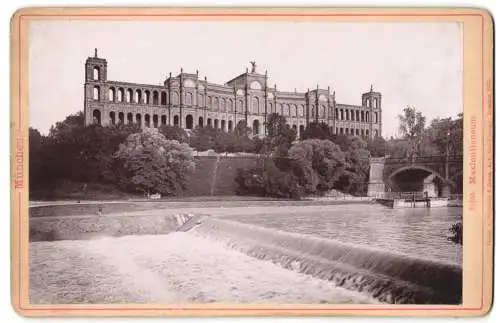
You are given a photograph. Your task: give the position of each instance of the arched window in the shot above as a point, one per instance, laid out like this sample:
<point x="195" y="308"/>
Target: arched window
<point x="97" y="73"/>
<point x="241" y="106"/>
<point x="96" y="92"/>
<point x="216" y="123"/>
<point x="130" y="118"/>
<point x="230" y="125"/>
<point x="200" y="122"/>
<point x="357" y="132"/>
<point x="362" y="116"/>
<point x="128" y="97"/>
<point x="367" y="133"/>
<point x="209" y="102"/>
<point x="176" y="120"/>
<point x="293" y="111"/>
<point x="155" y="120"/>
<point x="163" y="98"/>
<point x="147" y="97"/>
<point x="164" y="120"/>
<point x="313" y="112"/>
<point x="376" y="133"/>
<point x="281" y="110"/>
<point x="287" y="110"/>
<point x="223" y="125"/>
<point x="255" y="105"/>
<point x="155" y="98"/>
<point x="121" y="118"/>
<point x="189" y="121"/>
<point x="255" y="127"/>
<point x="301" y="131"/>
<point x="200" y="100"/>
<point x="111" y="94"/>
<point x="270" y="108"/>
<point x="301" y="110"/>
<point x="209" y="122"/>
<point x="147" y="120"/>
<point x="138" y="96"/>
<point x="120" y="95"/>
<point x="352" y="115"/>
<point x="375" y="117"/>
<point x="357" y="115"/>
<point x="96" y="115"/>
<point x="112" y="118"/>
<point x="375" y="103"/>
<point x="138" y="118"/>
<point x="230" y="107"/>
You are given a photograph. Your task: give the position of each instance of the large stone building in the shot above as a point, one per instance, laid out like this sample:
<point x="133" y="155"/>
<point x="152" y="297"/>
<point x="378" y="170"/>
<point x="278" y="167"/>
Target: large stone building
<point x="187" y="101"/>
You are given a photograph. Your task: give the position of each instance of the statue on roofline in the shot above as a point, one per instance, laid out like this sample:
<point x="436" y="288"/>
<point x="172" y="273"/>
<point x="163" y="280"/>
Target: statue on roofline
<point x="254" y="66"/>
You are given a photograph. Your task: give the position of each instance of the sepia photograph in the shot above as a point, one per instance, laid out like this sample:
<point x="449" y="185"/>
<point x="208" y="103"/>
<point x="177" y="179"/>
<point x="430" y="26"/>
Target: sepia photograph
<point x="245" y="161"/>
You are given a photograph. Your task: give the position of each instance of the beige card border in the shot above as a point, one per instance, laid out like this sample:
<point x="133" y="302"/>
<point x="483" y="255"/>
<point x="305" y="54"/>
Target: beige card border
<point x="478" y="156"/>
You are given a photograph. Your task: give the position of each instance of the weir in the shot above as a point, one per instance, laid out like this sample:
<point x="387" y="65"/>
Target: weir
<point x="387" y="276"/>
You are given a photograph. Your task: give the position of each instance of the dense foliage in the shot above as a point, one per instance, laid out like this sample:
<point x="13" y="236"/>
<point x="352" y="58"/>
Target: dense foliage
<point x="456" y="231"/>
<point x="72" y="152"/>
<point x="321" y="161"/>
<point x="149" y="162"/>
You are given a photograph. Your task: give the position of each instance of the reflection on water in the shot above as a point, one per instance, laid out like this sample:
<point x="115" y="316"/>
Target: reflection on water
<point x="418" y="232"/>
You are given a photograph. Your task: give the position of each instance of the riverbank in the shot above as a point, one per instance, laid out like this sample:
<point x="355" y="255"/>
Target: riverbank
<point x="175" y="268"/>
<point x="75" y="208"/>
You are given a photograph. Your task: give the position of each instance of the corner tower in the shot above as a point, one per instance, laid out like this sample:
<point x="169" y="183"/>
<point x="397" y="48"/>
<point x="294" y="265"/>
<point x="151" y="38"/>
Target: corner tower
<point x="96" y="70"/>
<point x="372" y="103"/>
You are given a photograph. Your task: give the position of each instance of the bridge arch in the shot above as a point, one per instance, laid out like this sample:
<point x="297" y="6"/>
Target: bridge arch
<point x="423" y="179"/>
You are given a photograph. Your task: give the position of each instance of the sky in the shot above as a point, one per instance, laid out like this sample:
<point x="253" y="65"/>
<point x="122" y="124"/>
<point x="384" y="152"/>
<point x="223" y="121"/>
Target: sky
<point x="417" y="64"/>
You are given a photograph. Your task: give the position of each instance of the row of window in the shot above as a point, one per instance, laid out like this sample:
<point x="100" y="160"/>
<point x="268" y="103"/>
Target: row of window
<point x="368" y="103"/>
<point x="157" y="98"/>
<point x="155" y="121"/>
<point x="357" y="132"/>
<point x="158" y="120"/>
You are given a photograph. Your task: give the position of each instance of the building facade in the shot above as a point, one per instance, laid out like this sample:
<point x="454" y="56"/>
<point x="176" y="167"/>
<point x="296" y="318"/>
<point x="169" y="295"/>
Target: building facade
<point x="187" y="101"/>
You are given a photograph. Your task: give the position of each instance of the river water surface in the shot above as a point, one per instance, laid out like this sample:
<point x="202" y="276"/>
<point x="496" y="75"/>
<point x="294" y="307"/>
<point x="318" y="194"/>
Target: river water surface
<point x="419" y="232"/>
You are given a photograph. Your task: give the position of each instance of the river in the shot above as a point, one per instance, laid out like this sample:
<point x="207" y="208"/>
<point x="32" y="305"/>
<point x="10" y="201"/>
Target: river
<point x="419" y="232"/>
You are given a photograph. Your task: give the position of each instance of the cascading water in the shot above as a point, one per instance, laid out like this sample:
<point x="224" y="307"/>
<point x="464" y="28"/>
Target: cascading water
<point x="388" y="276"/>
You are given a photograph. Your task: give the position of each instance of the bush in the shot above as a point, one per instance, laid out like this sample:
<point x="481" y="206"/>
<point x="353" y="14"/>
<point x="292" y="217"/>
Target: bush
<point x="268" y="180"/>
<point x="319" y="163"/>
<point x="456" y="231"/>
<point x="148" y="162"/>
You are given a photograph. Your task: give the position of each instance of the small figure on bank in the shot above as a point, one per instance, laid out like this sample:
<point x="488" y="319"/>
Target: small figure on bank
<point x="99" y="212"/>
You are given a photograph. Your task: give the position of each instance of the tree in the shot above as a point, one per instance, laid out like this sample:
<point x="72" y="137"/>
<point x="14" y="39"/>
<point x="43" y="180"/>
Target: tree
<point x="357" y="167"/>
<point x="377" y="146"/>
<point x="267" y="179"/>
<point x="76" y="120"/>
<point x="280" y="135"/>
<point x="319" y="163"/>
<point x="242" y="130"/>
<point x="318" y="131"/>
<point x="203" y="138"/>
<point x="411" y="126"/>
<point x="174" y="133"/>
<point x="446" y="134"/>
<point x="151" y="163"/>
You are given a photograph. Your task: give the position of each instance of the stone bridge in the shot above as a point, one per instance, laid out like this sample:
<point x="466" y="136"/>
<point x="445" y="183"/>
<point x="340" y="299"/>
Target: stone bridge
<point x="438" y="176"/>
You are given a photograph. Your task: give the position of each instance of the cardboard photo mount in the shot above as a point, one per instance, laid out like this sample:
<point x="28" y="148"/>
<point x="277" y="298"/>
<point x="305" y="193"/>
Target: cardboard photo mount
<point x="478" y="156"/>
